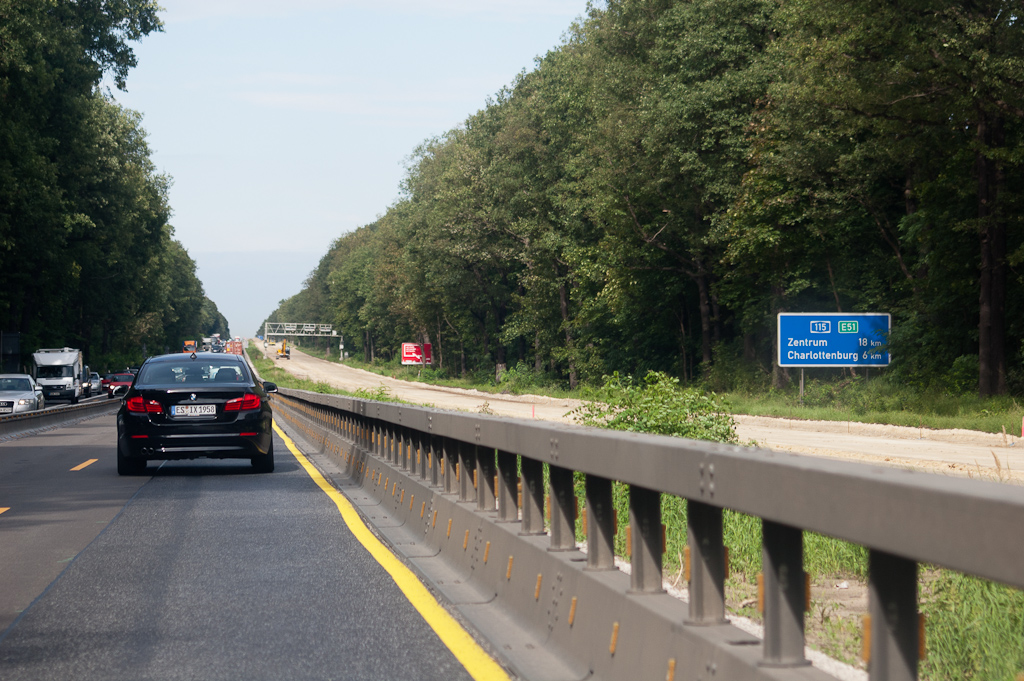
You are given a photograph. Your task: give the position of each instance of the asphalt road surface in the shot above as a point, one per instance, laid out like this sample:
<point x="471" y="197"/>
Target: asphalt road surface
<point x="200" y="570"/>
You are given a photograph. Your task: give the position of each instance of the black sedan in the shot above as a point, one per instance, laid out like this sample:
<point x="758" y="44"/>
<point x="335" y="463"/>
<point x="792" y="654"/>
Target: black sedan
<point x="191" y="405"/>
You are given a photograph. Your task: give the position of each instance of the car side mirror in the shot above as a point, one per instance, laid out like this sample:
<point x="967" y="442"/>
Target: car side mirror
<point x="270" y="387"/>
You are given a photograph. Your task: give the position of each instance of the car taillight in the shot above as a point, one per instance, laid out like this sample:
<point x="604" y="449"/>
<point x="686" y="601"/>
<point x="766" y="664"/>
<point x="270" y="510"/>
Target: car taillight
<point x="244" y="403"/>
<point x="139" y="405"/>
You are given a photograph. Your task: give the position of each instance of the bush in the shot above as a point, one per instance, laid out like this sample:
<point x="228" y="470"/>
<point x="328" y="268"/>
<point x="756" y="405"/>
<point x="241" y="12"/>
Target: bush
<point x="658" y="405"/>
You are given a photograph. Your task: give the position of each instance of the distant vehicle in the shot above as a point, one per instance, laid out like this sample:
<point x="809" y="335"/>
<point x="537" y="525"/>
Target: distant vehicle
<point x="184" y="408"/>
<point x="284" y="352"/>
<point x="95" y="383"/>
<point x="61" y="372"/>
<point x="19" y="393"/>
<point x="124" y="378"/>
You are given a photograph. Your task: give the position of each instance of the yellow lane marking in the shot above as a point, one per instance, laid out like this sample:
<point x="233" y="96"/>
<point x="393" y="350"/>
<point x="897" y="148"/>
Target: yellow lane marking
<point x="466" y="650"/>
<point x="4" y="508"/>
<point x="83" y="465"/>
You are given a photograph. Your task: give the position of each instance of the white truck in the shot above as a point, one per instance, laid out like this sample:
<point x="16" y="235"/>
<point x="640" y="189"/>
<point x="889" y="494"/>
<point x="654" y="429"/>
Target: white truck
<point x="62" y="374"/>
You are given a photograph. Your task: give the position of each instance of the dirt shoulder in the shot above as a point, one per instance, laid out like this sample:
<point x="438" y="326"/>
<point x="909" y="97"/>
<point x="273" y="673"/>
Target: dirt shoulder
<point x="949" y="452"/>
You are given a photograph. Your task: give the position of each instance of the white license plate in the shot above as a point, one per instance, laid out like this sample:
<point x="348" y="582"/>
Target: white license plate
<point x="6" y="410"/>
<point x="194" y="410"/>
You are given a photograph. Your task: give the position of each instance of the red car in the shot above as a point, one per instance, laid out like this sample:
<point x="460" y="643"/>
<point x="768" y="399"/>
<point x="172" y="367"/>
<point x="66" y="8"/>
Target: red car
<point x="116" y="380"/>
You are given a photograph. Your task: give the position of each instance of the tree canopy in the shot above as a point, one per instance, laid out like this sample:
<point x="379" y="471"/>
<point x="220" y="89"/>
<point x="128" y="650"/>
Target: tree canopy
<point x="88" y="254"/>
<point x="675" y="173"/>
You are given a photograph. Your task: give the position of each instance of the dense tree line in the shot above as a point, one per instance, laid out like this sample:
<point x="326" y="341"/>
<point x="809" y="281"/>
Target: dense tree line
<point x="677" y="172"/>
<point x="87" y="256"/>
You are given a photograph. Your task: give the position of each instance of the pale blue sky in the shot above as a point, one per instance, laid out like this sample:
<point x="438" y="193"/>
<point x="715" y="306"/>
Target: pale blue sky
<point x="286" y="124"/>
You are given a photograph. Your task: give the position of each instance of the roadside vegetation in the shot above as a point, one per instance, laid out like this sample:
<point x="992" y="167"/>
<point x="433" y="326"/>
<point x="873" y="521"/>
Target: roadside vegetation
<point x="89" y="258"/>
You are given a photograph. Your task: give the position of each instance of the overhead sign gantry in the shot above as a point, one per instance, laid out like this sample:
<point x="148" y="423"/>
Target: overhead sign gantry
<point x="272" y="329"/>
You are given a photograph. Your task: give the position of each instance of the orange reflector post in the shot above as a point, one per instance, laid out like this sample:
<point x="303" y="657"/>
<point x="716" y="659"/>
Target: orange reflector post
<point x="807" y="592"/>
<point x="487" y="551"/>
<point x="449" y="525"/>
<point x="572" y="611"/>
<point x="629" y="540"/>
<point x="865" y="652"/>
<point x="423" y="509"/>
<point x="433" y="523"/>
<point x="465" y="542"/>
<point x="536" y="592"/>
<point x="615" y="638"/>
<point x="664" y="539"/>
<point x="508" y="573"/>
<point x="760" y="592"/>
<point x="671" y="675"/>
<point x="686" y="564"/>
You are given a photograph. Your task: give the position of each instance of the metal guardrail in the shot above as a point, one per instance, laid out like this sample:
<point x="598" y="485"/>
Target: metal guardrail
<point x="15" y="424"/>
<point x="903" y="517"/>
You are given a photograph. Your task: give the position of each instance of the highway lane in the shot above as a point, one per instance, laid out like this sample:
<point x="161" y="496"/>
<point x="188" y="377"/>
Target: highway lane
<point x="54" y="511"/>
<point x="203" y="570"/>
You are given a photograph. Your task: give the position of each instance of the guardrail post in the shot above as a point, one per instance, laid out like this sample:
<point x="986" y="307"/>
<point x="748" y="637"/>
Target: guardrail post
<point x="563" y="509"/>
<point x="389" y="442"/>
<point x="486" y="493"/>
<point x="467" y="468"/>
<point x="892" y="605"/>
<point x="707" y="564"/>
<point x="451" y="448"/>
<point x="408" y="458"/>
<point x="646" y="539"/>
<point x="533" y="496"/>
<point x="600" y="524"/>
<point x="508" y="493"/>
<point x="433" y="458"/>
<point x="420" y="441"/>
<point x="785" y="597"/>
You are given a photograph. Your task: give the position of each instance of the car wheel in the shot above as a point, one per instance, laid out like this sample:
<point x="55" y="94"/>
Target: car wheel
<point x="127" y="466"/>
<point x="265" y="463"/>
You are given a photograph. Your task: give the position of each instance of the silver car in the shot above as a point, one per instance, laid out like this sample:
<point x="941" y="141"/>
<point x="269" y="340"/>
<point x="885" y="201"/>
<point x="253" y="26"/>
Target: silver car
<point x="95" y="383"/>
<point x="19" y="393"/>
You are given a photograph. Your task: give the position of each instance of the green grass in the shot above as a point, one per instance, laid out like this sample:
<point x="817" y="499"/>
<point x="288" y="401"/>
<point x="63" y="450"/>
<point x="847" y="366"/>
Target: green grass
<point x="879" y="401"/>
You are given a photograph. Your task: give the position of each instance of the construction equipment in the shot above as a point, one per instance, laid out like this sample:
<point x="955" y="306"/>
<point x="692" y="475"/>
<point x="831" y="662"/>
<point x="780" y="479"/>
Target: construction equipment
<point x="188" y="346"/>
<point x="284" y="352"/>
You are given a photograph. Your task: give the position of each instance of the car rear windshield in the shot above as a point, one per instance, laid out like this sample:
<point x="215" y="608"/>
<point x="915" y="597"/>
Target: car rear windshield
<point x="193" y="372"/>
<point x="121" y="378"/>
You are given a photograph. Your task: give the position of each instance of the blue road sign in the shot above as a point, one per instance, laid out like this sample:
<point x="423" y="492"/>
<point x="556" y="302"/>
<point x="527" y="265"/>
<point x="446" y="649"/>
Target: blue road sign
<point x="811" y="339"/>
